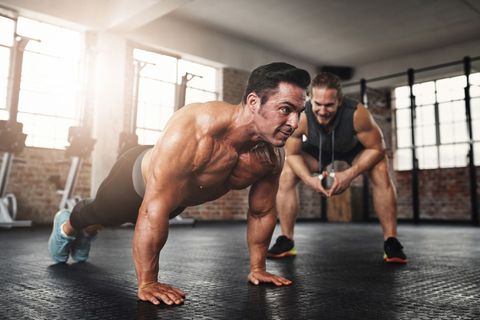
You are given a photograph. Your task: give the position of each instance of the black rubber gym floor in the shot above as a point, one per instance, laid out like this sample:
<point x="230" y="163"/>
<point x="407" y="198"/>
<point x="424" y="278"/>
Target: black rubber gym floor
<point x="338" y="274"/>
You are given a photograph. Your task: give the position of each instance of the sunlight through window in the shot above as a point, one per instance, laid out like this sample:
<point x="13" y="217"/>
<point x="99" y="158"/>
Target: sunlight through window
<point x="49" y="90"/>
<point x="158" y="83"/>
<point x="441" y="134"/>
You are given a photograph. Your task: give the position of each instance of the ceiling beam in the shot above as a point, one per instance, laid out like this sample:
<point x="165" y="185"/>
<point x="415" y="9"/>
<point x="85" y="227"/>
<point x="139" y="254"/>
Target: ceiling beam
<point x="125" y="15"/>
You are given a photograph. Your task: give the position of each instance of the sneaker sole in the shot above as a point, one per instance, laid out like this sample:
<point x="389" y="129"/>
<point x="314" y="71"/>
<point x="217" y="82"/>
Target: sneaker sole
<point x="291" y="253"/>
<point x="394" y="260"/>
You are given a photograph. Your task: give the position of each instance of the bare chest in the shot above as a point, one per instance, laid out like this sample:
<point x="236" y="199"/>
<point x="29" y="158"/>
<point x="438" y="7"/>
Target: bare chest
<point x="230" y="170"/>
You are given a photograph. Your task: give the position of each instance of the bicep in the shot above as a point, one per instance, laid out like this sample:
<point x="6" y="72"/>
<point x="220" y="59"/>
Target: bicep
<point x="368" y="132"/>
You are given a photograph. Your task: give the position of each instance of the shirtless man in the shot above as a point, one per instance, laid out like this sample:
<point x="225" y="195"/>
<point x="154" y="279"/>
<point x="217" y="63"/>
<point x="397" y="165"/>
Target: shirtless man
<point x="205" y="150"/>
<point x="333" y="120"/>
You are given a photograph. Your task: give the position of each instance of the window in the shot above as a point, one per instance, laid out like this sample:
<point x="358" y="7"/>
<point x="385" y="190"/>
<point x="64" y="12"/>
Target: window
<point x="49" y="90"/>
<point x="7" y="27"/>
<point x="441" y="134"/>
<point x="159" y="76"/>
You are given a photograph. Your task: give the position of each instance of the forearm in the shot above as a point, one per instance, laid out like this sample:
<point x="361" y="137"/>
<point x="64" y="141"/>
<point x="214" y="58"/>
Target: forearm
<point x="259" y="232"/>
<point x="367" y="159"/>
<point x="149" y="238"/>
<point x="298" y="166"/>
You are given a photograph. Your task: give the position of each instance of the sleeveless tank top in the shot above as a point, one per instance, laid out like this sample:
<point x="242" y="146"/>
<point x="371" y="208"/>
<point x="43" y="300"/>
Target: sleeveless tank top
<point x="344" y="132"/>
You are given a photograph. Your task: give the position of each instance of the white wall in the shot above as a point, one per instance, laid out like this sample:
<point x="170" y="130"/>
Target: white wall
<point x="109" y="102"/>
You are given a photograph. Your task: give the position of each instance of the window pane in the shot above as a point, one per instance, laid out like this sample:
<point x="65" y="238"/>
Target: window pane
<point x="445" y="112"/>
<point x="453" y="155"/>
<point x="194" y="95"/>
<point x="451" y="89"/>
<point x="424" y="93"/>
<point x="425" y="115"/>
<point x="427" y="157"/>
<point x="475" y="108"/>
<point x="4" y="66"/>
<point x="476" y="130"/>
<point x="452" y="126"/>
<point x="157" y="94"/>
<point x="208" y="75"/>
<point x="475" y="85"/>
<point x="147" y="136"/>
<point x="403" y="159"/>
<point x="458" y="111"/>
<point x="7" y="27"/>
<point x="403" y="118"/>
<point x="453" y="132"/>
<point x="45" y="131"/>
<point x="49" y="90"/>
<point x="447" y="133"/>
<point x="402" y="97"/>
<point x="425" y="135"/>
<point x="404" y="138"/>
<point x="158" y="66"/>
<point x="461" y="133"/>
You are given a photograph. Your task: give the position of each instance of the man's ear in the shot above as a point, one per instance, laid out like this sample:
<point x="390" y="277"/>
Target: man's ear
<point x="253" y="101"/>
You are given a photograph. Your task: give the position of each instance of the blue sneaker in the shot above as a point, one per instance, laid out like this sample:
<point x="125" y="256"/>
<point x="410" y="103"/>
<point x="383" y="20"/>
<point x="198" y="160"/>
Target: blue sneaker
<point x="59" y="243"/>
<point x="81" y="247"/>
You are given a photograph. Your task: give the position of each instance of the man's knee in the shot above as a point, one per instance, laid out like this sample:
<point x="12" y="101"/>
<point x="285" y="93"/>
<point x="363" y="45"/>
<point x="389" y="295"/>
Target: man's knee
<point x="380" y="175"/>
<point x="288" y="178"/>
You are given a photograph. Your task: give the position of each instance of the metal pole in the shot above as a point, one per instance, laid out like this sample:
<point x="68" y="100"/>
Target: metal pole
<point x="182" y="90"/>
<point x="324" y="209"/>
<point x="471" y="159"/>
<point x="139" y="65"/>
<point x="16" y="72"/>
<point x="366" y="184"/>
<point x="415" y="197"/>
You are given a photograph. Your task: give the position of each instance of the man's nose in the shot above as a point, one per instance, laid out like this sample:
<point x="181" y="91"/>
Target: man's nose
<point x="293" y="120"/>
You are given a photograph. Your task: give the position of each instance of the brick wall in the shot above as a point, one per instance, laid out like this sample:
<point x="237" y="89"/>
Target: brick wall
<point x="36" y="176"/>
<point x="444" y="193"/>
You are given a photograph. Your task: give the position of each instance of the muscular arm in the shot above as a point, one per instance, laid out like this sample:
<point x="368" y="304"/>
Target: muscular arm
<point x="261" y="221"/>
<point x="167" y="183"/>
<point x="370" y="136"/>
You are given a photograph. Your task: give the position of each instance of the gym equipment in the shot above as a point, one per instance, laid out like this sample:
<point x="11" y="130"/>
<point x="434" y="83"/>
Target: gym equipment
<point x="81" y="146"/>
<point x="182" y="89"/>
<point x="12" y="142"/>
<point x="12" y="139"/>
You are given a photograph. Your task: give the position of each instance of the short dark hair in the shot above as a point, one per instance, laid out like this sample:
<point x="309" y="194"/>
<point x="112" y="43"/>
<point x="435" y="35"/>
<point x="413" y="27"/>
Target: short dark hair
<point x="264" y="80"/>
<point x="329" y="81"/>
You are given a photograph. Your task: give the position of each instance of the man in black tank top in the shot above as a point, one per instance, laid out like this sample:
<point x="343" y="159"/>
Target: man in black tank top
<point x="337" y="128"/>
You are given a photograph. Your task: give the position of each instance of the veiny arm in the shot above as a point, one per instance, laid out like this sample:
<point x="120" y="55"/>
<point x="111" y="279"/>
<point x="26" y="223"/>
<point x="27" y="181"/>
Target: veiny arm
<point x="261" y="221"/>
<point x="370" y="136"/>
<point x="168" y="180"/>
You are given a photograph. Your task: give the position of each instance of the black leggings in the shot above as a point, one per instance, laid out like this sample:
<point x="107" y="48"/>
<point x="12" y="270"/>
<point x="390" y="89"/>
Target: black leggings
<point x="116" y="201"/>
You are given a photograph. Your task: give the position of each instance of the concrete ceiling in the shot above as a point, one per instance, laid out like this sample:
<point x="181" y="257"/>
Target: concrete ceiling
<point x="321" y="32"/>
